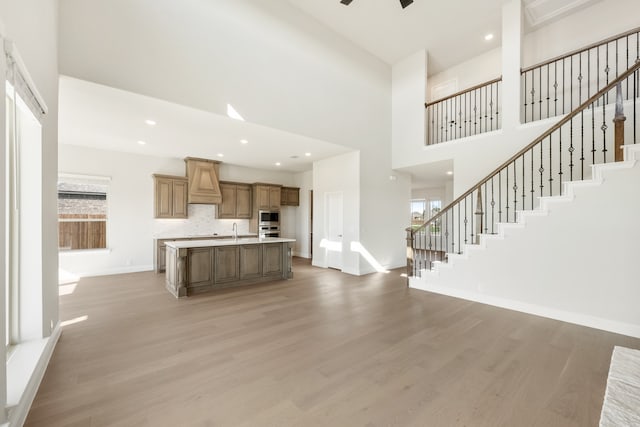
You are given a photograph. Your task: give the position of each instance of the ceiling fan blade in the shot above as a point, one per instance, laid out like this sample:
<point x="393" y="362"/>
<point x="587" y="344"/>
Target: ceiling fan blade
<point x="405" y="3"/>
<point x="346" y="2"/>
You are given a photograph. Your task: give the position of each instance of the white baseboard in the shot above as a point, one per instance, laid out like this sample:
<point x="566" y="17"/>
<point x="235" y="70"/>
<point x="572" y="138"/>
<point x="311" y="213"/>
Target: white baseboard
<point x="117" y="270"/>
<point x="628" y="329"/>
<point x="302" y="254"/>
<point x="18" y="413"/>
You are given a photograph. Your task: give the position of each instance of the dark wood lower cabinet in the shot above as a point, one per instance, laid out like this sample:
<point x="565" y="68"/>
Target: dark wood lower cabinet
<point x="203" y="269"/>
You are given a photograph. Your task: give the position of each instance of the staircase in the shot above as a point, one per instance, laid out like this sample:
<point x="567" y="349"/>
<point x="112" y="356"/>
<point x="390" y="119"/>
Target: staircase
<point x="555" y="230"/>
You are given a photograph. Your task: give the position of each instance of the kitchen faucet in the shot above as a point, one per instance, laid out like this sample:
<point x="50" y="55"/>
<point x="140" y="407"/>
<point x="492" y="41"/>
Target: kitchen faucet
<point x="235" y="231"/>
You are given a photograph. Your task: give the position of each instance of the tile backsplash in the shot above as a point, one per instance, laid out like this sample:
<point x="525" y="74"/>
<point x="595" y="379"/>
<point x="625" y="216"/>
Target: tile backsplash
<point x="201" y="222"/>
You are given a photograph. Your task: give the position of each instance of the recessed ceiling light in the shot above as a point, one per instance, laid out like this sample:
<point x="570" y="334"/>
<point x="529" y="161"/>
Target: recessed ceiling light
<point x="244" y="141"/>
<point x="141" y="142"/>
<point x="220" y="155"/>
<point x="449" y="172"/>
<point x="150" y="122"/>
<point x="488" y="37"/>
<point x="277" y="163"/>
<point x="307" y="154"/>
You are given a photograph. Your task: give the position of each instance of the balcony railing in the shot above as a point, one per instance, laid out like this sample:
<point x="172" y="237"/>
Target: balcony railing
<point x="469" y="112"/>
<point x="557" y="86"/>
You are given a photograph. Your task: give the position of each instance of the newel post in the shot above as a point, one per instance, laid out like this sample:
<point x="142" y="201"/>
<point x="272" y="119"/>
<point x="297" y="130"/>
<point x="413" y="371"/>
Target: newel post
<point x="618" y="122"/>
<point x="479" y="216"/>
<point x="409" y="253"/>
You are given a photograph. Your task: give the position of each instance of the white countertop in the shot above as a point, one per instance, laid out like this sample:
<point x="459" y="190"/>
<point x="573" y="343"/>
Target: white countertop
<point x="203" y="237"/>
<point x="181" y="244"/>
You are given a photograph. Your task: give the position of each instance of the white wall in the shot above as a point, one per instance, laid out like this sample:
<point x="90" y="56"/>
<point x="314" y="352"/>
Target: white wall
<point x="384" y="197"/>
<point x="471" y="72"/>
<point x="131" y="226"/>
<point x="408" y="95"/>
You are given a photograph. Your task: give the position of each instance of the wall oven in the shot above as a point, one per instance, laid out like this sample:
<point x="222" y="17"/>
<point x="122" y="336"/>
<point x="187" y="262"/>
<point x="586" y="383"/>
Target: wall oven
<point x="268" y="217"/>
<point x="270" y="230"/>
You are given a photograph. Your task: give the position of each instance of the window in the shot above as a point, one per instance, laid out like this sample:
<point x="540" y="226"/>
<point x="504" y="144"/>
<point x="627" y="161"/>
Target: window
<point x="417" y="208"/>
<point x="435" y="206"/>
<point x="82" y="212"/>
<point x="23" y="225"/>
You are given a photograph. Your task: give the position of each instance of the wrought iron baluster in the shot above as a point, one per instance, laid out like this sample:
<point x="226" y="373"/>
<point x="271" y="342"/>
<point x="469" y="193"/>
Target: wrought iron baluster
<point x="532" y="190"/>
<point x="582" y="144"/>
<point x="598" y="69"/>
<point x="541" y="169"/>
<point x="446" y="236"/>
<point x="525" y="96"/>
<point x="571" y="150"/>
<point x="555" y="88"/>
<point x="453" y="121"/>
<point x="627" y="54"/>
<point x="515" y="193"/>
<point x="498" y="104"/>
<point x="475" y="112"/>
<point x="564" y="87"/>
<point x="524" y="185"/>
<point x="560" y="159"/>
<point x="589" y="74"/>
<point x="500" y="197"/>
<point x="486" y="128"/>
<point x="540" y="93"/>
<point x="465" y="221"/>
<point x="548" y="97"/>
<point x="604" y="133"/>
<point x="486" y="212"/>
<point x="459" y="246"/>
<point x="606" y="72"/>
<point x="533" y="93"/>
<point x="593" y="134"/>
<point x="550" y="166"/>
<point x="506" y="188"/>
<point x="480" y="95"/>
<point x="493" y="205"/>
<point x="491" y="104"/>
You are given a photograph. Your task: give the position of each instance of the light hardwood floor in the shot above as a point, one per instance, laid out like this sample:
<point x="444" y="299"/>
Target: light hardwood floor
<point x="322" y="349"/>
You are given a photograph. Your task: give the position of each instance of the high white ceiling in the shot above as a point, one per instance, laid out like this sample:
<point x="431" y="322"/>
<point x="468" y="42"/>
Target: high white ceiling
<point x="451" y="31"/>
<point x="102" y="117"/>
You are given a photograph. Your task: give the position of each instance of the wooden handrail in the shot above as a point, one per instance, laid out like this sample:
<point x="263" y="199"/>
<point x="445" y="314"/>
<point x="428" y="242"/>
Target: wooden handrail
<point x="583" y="49"/>
<point x="545" y="135"/>
<point x="462" y="92"/>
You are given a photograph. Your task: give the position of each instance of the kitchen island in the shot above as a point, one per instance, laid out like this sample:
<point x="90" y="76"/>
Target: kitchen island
<point x="195" y="266"/>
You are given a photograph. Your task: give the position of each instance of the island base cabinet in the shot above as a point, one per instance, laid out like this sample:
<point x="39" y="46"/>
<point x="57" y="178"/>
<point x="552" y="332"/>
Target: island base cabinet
<point x="195" y="270"/>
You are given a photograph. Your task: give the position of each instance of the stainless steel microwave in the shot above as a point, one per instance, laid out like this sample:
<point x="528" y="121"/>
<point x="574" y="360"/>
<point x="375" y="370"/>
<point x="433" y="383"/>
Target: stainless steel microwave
<point x="269" y="216"/>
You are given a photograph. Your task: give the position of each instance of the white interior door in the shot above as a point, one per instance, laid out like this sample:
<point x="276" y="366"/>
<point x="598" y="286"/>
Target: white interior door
<point x="333" y="215"/>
